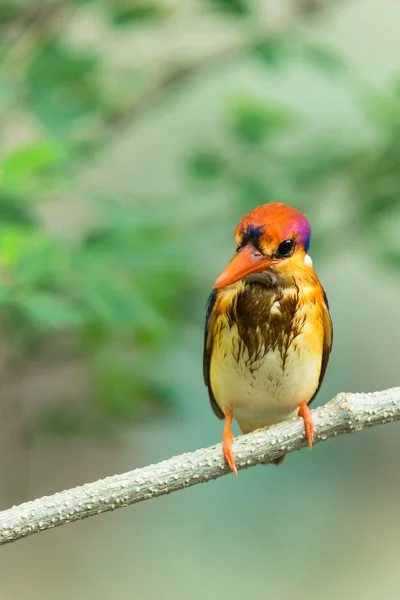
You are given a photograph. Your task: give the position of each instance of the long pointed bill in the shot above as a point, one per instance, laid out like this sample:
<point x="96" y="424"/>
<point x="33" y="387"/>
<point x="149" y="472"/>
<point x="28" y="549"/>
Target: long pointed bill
<point x="248" y="261"/>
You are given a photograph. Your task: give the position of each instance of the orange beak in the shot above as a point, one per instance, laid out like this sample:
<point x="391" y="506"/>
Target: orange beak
<point x="248" y="261"/>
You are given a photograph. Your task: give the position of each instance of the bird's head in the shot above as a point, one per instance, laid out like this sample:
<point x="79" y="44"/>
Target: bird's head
<point x="273" y="238"/>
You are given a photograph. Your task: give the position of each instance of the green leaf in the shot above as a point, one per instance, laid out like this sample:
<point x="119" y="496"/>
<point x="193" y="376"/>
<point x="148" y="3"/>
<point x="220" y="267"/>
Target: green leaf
<point x="206" y="165"/>
<point x="106" y="303"/>
<point x="381" y="205"/>
<point x="62" y="88"/>
<point x="273" y="52"/>
<point x="125" y="15"/>
<point x="14" y="212"/>
<point x="253" y="121"/>
<point x="28" y="161"/>
<point x="13" y="241"/>
<point x="390" y="258"/>
<point x="33" y="258"/>
<point x="48" y="311"/>
<point x="322" y="57"/>
<point x="10" y="11"/>
<point x="383" y="109"/>
<point x="238" y="8"/>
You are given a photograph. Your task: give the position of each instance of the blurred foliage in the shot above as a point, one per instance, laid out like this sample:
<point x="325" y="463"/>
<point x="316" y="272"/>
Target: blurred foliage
<point x="232" y="7"/>
<point x="123" y="289"/>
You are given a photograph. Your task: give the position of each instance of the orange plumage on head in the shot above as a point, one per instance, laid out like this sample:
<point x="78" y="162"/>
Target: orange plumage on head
<point x="277" y="220"/>
<point x="268" y="330"/>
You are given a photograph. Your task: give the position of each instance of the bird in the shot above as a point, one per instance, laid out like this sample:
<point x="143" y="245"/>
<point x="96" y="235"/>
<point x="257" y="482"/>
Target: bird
<point x="268" y="331"/>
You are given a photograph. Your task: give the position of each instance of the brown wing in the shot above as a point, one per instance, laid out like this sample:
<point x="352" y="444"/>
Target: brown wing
<point x="208" y="343"/>
<point x="327" y="344"/>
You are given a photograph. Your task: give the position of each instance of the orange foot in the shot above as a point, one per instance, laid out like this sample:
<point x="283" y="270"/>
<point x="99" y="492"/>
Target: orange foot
<point x="305" y="412"/>
<point x="227" y="440"/>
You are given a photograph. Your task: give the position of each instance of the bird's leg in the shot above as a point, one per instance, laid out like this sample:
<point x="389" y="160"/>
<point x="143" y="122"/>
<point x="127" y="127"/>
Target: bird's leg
<point x="305" y="412"/>
<point x="227" y="440"/>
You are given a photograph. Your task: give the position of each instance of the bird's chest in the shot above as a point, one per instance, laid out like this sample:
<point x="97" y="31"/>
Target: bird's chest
<point x="266" y="360"/>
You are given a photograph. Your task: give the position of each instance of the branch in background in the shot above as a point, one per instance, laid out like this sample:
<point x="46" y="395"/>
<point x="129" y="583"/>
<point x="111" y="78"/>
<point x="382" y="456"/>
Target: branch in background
<point x="45" y="23"/>
<point x="136" y="108"/>
<point x="36" y="22"/>
<point x="347" y="413"/>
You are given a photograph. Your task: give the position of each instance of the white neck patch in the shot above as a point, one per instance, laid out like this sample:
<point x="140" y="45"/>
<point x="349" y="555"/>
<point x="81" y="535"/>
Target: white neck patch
<point x="308" y="260"/>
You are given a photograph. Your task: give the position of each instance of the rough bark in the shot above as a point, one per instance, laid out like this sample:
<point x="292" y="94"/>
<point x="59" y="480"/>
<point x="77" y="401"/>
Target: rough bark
<point x="347" y="413"/>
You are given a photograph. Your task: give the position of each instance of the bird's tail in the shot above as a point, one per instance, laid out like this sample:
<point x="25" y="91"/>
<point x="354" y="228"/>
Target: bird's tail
<point x="277" y="461"/>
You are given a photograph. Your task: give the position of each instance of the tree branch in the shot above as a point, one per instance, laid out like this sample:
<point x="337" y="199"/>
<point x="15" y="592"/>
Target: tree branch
<point x="347" y="413"/>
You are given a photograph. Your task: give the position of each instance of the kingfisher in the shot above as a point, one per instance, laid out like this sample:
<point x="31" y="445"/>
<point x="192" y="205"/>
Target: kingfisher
<point x="268" y="332"/>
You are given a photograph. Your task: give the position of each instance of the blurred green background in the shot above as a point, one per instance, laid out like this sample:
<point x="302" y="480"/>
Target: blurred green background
<point x="133" y="137"/>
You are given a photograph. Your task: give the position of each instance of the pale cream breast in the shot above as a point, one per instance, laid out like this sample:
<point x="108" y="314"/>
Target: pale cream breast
<point x="268" y="390"/>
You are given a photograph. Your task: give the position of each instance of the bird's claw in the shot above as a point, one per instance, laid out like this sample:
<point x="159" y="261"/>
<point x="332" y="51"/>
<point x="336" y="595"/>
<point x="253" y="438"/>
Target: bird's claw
<point x="305" y="413"/>
<point x="227" y="440"/>
<point x="227" y="447"/>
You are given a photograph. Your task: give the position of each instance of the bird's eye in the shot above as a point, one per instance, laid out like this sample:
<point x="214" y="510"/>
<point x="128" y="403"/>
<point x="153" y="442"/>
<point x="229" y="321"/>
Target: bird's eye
<point x="285" y="249"/>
